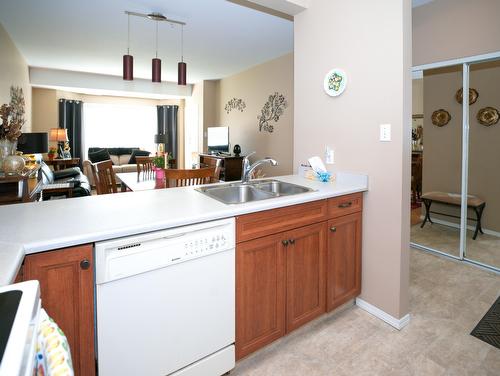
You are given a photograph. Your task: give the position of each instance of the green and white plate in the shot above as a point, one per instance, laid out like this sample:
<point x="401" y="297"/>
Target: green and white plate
<point x="335" y="82"/>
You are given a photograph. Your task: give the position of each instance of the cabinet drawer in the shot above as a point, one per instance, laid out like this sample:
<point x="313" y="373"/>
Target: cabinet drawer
<point x="343" y="205"/>
<point x="256" y="225"/>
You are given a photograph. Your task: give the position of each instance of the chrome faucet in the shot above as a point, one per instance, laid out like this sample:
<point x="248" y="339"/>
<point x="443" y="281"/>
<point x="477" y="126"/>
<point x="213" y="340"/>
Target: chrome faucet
<point x="247" y="168"/>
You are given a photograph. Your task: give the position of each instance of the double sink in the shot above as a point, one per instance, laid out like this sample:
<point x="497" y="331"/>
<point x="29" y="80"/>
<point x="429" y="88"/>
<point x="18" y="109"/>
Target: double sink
<point x="239" y="193"/>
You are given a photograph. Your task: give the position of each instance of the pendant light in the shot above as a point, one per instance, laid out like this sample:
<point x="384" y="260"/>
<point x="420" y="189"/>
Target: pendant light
<point x="156" y="63"/>
<point x="181" y="67"/>
<point x="128" y="60"/>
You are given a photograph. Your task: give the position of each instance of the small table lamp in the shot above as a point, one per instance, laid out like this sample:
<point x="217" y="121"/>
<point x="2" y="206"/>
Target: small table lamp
<point x="160" y="140"/>
<point x="60" y="136"/>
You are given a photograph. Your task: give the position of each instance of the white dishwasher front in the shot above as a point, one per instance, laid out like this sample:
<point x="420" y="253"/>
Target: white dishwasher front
<point x="165" y="302"/>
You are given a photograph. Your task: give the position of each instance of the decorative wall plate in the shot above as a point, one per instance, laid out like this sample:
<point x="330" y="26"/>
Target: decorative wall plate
<point x="488" y="116"/>
<point x="335" y="82"/>
<point x="440" y="117"/>
<point x="473" y="95"/>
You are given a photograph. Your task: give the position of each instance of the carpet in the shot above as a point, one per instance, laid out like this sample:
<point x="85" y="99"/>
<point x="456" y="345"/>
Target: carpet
<point x="488" y="329"/>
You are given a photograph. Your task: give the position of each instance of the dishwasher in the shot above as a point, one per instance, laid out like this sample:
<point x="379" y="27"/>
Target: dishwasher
<point x="165" y="302"/>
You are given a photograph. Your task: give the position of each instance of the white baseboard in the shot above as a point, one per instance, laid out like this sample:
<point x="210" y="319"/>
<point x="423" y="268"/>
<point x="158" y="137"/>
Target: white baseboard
<point x="382" y="315"/>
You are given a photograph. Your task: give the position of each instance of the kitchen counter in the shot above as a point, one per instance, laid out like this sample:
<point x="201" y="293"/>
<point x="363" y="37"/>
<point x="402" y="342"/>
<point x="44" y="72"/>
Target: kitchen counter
<point x="42" y="226"/>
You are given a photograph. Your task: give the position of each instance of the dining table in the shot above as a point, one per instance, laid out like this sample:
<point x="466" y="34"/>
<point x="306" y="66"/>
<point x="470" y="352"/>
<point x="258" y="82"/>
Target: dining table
<point x="142" y="181"/>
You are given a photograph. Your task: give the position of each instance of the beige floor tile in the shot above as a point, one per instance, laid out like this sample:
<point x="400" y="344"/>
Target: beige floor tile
<point x="447" y="299"/>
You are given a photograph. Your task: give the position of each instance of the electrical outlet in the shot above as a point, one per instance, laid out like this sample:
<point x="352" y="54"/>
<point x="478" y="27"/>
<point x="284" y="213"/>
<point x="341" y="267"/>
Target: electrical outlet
<point x="385" y="132"/>
<point x="329" y="156"/>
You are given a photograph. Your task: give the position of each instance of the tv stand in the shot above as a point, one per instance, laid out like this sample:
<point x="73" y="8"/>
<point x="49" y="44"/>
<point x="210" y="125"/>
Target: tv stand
<point x="231" y="166"/>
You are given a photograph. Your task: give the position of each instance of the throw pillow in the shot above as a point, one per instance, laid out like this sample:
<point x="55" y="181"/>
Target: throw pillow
<point x="138" y="153"/>
<point x="99" y="156"/>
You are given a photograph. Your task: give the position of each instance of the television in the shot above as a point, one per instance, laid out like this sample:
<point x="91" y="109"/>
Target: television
<point x="218" y="139"/>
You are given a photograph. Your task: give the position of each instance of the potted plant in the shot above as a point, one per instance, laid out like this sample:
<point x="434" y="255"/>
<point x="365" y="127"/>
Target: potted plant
<point x="52" y="152"/>
<point x="159" y="162"/>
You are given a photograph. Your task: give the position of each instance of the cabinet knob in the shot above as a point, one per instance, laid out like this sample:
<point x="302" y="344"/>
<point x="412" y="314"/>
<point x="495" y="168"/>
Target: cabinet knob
<point x="333" y="229"/>
<point x="85" y="264"/>
<point x="292" y="241"/>
<point x="284" y="242"/>
<point x="345" y="205"/>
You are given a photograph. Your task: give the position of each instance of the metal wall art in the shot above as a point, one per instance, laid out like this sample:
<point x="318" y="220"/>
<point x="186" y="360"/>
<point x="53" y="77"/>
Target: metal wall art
<point x="473" y="95"/>
<point x="440" y="117"/>
<point x="488" y="116"/>
<point x="271" y="112"/>
<point x="235" y="104"/>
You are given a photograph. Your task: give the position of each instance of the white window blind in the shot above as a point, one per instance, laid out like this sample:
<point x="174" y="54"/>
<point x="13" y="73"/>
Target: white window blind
<point x="118" y="125"/>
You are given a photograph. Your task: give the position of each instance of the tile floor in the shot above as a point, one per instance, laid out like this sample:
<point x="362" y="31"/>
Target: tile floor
<point x="485" y="248"/>
<point x="447" y="299"/>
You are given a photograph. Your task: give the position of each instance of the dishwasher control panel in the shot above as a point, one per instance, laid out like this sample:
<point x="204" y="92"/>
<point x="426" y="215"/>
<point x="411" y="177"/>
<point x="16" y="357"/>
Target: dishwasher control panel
<point x="129" y="256"/>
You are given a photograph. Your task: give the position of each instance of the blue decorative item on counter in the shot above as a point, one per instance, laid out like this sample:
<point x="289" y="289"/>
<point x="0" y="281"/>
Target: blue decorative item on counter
<point x="324" y="176"/>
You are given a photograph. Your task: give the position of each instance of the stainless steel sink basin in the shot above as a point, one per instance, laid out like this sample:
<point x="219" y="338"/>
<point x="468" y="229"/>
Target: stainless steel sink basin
<point x="280" y="188"/>
<point x="239" y="193"/>
<point x="235" y="194"/>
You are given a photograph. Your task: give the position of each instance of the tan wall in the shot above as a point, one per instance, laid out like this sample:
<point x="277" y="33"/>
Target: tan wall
<point x="378" y="92"/>
<point x="449" y="29"/>
<point x="418" y="96"/>
<point x="254" y="86"/>
<point x="442" y="151"/>
<point x="14" y="71"/>
<point x="46" y="113"/>
<point x="210" y="105"/>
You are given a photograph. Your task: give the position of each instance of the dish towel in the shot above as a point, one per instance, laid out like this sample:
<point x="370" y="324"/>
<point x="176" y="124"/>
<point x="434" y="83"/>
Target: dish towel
<point x="53" y="355"/>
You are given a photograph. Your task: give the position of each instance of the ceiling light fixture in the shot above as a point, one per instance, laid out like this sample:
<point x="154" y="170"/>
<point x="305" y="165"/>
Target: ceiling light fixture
<point x="156" y="62"/>
<point x="181" y="67"/>
<point x="128" y="60"/>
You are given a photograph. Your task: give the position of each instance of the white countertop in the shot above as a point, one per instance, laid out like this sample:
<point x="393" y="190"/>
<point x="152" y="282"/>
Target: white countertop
<point x="41" y="226"/>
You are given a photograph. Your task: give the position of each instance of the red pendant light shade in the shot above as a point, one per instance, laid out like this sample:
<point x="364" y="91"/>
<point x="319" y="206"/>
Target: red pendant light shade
<point x="181" y="73"/>
<point x="156" y="70"/>
<point x="128" y="67"/>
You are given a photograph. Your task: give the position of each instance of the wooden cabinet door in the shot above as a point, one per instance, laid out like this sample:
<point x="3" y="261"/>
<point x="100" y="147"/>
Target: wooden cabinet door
<point x="343" y="260"/>
<point x="260" y="293"/>
<point x="306" y="283"/>
<point x="67" y="287"/>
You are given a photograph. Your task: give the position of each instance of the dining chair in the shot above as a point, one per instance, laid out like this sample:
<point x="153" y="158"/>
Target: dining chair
<point x="105" y="178"/>
<point x="183" y="178"/>
<point x="145" y="165"/>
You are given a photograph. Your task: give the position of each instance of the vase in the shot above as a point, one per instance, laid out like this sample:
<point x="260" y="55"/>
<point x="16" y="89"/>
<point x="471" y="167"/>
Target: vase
<point x="160" y="173"/>
<point x="10" y="163"/>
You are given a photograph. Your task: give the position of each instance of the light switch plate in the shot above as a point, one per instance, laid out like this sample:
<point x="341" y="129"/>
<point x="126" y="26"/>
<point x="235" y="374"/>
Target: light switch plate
<point x="385" y="132"/>
<point x="329" y="155"/>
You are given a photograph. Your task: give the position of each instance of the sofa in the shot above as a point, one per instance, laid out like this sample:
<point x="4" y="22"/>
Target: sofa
<point x="81" y="185"/>
<point x="120" y="158"/>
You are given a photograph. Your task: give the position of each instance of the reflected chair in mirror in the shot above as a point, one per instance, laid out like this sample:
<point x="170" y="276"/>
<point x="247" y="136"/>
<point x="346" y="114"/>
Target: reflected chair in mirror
<point x="145" y="165"/>
<point x="104" y="177"/>
<point x="184" y="178"/>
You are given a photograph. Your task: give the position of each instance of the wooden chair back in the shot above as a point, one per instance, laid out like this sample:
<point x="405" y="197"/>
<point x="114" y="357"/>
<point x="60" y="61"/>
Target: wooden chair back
<point x="184" y="178"/>
<point x="105" y="182"/>
<point x="145" y="165"/>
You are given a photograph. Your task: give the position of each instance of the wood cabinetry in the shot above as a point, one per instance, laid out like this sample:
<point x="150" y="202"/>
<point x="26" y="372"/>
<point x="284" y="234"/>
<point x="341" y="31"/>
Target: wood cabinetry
<point x="67" y="287"/>
<point x="343" y="260"/>
<point x="292" y="265"/>
<point x="305" y="274"/>
<point x="260" y="293"/>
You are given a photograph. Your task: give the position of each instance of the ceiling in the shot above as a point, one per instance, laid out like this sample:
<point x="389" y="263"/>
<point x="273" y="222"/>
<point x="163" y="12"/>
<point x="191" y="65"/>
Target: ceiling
<point x="221" y="38"/>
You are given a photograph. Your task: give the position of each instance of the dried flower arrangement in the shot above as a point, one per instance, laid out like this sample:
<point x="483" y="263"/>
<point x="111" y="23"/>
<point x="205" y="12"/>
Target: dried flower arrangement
<point x="12" y="115"/>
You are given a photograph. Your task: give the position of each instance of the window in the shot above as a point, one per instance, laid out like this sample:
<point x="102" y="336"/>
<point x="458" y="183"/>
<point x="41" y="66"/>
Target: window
<point x="118" y="125"/>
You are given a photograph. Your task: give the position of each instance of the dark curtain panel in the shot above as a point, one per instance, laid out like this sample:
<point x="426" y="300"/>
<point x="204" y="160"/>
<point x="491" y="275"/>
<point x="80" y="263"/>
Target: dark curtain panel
<point x="167" y="125"/>
<point x="70" y="117"/>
